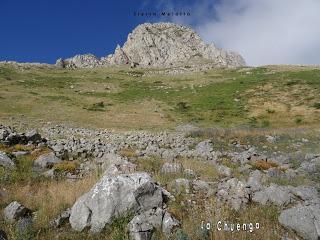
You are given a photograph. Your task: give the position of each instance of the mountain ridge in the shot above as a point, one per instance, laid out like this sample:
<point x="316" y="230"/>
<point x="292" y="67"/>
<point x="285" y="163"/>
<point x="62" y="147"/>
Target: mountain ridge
<point x="159" y="45"/>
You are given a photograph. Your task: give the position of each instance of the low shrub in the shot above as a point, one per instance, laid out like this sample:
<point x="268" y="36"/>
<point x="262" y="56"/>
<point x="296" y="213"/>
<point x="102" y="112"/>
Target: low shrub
<point x="66" y="166"/>
<point x="316" y="105"/>
<point x="128" y="152"/>
<point x="263" y="165"/>
<point x="182" y="106"/>
<point x="99" y="106"/>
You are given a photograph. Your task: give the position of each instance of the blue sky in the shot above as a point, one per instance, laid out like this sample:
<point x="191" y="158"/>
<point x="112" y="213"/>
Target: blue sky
<point x="44" y="30"/>
<point x="263" y="31"/>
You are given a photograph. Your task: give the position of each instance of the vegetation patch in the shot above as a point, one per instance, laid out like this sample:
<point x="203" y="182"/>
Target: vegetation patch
<point x="61" y="98"/>
<point x="66" y="166"/>
<point x="263" y="165"/>
<point x="99" y="106"/>
<point x="316" y="105"/>
<point x="128" y="152"/>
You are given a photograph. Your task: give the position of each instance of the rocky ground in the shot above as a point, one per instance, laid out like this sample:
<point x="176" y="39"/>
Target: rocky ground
<point x="185" y="184"/>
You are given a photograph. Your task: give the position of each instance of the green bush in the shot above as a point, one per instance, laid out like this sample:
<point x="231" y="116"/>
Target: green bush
<point x="118" y="228"/>
<point x="270" y="110"/>
<point x="182" y="106"/>
<point x="298" y="120"/>
<point x="265" y="123"/>
<point x="22" y="171"/>
<point x="97" y="107"/>
<point x="316" y="105"/>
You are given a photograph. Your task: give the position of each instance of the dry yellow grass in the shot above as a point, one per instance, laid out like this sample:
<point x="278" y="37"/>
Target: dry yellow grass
<point x="281" y="106"/>
<point x="293" y="68"/>
<point x="66" y="166"/>
<point x="128" y="152"/>
<point x="39" y="151"/>
<point x="207" y="210"/>
<point x="49" y="198"/>
<point x="242" y="134"/>
<point x="17" y="147"/>
<point x="202" y="168"/>
<point x="263" y="165"/>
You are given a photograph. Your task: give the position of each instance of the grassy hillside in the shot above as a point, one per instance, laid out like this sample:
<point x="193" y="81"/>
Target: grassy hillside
<point x="235" y="108"/>
<point x="122" y="98"/>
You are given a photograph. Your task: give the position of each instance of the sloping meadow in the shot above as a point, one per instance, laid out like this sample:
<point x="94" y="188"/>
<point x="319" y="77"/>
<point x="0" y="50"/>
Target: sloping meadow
<point x="123" y="99"/>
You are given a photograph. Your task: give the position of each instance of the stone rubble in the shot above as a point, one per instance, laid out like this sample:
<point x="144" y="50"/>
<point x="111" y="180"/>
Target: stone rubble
<point x="172" y="168"/>
<point x="122" y="189"/>
<point x="142" y="226"/>
<point x="9" y="136"/>
<point x="61" y="219"/>
<point x="3" y="235"/>
<point x="46" y="160"/>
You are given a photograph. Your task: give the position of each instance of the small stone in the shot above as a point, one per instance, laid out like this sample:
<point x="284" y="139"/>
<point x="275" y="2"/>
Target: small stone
<point x="234" y="192"/>
<point x="51" y="173"/>
<point x="189" y="173"/>
<point x="180" y="185"/>
<point x="20" y="153"/>
<point x="14" y="211"/>
<point x="24" y="228"/>
<point x="47" y="160"/>
<point x="61" y="219"/>
<point x="172" y="168"/>
<point x="254" y="181"/>
<point x="169" y="223"/>
<point x="271" y="139"/>
<point x="3" y="235"/>
<point x="224" y="170"/>
<point x="5" y="161"/>
<point x="33" y="136"/>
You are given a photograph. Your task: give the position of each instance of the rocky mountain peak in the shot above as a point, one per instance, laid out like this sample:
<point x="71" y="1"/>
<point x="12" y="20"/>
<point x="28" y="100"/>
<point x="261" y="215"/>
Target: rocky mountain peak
<point x="161" y="45"/>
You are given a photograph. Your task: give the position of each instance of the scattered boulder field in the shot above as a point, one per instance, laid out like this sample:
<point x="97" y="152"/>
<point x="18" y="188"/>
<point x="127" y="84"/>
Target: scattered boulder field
<point x="245" y="176"/>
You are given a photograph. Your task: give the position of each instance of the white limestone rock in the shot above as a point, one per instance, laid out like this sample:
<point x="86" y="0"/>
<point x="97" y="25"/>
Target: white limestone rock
<point x="160" y="45"/>
<point x="113" y="196"/>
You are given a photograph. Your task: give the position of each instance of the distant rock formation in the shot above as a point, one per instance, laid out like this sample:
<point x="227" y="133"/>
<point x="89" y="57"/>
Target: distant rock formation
<point x="160" y="45"/>
<point x="79" y="61"/>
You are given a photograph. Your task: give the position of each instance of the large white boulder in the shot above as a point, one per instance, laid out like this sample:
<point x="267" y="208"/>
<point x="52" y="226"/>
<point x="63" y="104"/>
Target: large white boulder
<point x="114" y="196"/>
<point x="304" y="220"/>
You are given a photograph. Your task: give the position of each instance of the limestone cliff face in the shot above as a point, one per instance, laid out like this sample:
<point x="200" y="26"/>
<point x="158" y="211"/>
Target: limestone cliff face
<point x="161" y="45"/>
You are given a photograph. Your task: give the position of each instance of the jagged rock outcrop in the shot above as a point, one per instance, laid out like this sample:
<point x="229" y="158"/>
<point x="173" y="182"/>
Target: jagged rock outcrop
<point x="168" y="44"/>
<point x="79" y="61"/>
<point x="160" y="45"/>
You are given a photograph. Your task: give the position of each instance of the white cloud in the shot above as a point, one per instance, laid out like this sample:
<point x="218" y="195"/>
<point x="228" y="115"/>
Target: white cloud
<point x="263" y="31"/>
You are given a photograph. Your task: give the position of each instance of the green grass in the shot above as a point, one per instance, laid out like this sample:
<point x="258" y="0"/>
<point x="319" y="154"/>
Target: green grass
<point x="218" y="97"/>
<point x="22" y="173"/>
<point x="57" y="98"/>
<point x="100" y="106"/>
<point x="316" y="105"/>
